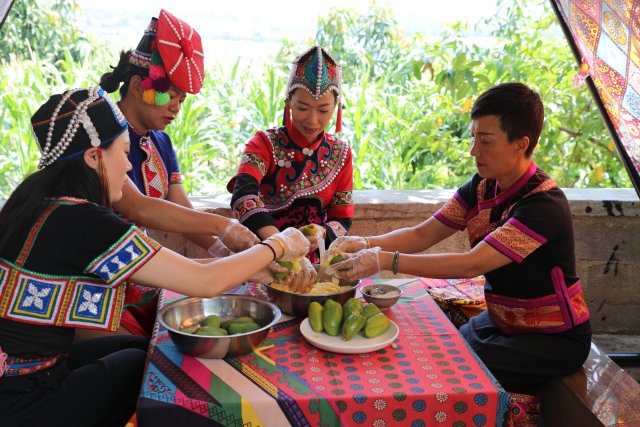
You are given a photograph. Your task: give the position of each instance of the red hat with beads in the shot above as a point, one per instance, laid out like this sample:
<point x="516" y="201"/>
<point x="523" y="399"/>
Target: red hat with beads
<point x="172" y="51"/>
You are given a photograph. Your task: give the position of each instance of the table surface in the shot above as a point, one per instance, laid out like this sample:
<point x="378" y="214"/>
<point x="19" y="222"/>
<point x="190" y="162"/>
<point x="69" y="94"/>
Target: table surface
<point x="428" y="376"/>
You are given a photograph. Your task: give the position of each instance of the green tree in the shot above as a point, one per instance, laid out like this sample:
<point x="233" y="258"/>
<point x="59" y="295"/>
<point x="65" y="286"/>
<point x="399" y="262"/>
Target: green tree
<point x="47" y="27"/>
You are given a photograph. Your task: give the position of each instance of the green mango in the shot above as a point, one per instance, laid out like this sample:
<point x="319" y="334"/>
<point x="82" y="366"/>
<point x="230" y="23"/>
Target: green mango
<point x="332" y="317"/>
<point x="243" y="328"/>
<point x="352" y="307"/>
<point x="288" y="265"/>
<point x="309" y="230"/>
<point x="212" y="320"/>
<point x="315" y="316"/>
<point x="241" y="319"/>
<point x="211" y="331"/>
<point x="352" y="326"/>
<point x="370" y="310"/>
<point x="376" y="325"/>
<point x="336" y="259"/>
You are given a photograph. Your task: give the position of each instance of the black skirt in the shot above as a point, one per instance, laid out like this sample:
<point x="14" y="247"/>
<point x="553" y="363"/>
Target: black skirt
<point x="523" y="363"/>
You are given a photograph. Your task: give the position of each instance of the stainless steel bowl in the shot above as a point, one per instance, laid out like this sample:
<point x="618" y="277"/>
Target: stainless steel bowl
<point x="298" y="304"/>
<point x="190" y="311"/>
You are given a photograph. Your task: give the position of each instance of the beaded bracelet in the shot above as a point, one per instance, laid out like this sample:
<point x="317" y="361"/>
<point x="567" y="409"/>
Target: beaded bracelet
<point x="269" y="246"/>
<point x="279" y="242"/>
<point x="396" y="259"/>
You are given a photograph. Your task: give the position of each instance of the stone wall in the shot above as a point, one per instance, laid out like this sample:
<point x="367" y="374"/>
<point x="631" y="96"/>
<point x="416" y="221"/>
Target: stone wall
<point x="607" y="232"/>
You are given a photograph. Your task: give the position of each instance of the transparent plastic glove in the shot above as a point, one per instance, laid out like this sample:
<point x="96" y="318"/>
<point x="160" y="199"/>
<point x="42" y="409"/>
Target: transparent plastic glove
<point x="347" y="244"/>
<point x="293" y="242"/>
<point x="237" y="237"/>
<point x="303" y="278"/>
<point x="266" y="274"/>
<point x="362" y="264"/>
<point x="219" y="250"/>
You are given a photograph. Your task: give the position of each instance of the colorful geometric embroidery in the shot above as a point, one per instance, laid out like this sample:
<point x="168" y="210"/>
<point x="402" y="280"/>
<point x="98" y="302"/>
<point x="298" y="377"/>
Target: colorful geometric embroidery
<point x="606" y="35"/>
<point x="90" y="304"/>
<point x="342" y="198"/>
<point x="124" y="258"/>
<point x="547" y="314"/>
<point x="453" y="213"/>
<point x="247" y="206"/>
<point x="254" y="160"/>
<point x="176" y="178"/>
<point x="515" y="240"/>
<point x="59" y="300"/>
<point x="154" y="174"/>
<point x="337" y="228"/>
<point x="330" y="155"/>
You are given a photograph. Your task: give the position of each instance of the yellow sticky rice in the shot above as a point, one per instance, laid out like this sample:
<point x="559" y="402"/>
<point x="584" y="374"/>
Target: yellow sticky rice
<point x="314" y="289"/>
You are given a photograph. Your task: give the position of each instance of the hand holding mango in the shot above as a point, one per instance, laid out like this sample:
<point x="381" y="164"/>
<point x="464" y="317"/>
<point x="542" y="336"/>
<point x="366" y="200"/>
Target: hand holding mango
<point x="292" y="266"/>
<point x="314" y="233"/>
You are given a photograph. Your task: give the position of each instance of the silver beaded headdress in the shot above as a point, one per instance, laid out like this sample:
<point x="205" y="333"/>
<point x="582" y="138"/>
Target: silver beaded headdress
<point x="315" y="71"/>
<point x="59" y="120"/>
<point x="318" y="73"/>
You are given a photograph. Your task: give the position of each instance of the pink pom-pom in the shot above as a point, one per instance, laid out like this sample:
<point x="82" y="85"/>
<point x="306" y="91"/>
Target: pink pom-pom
<point x="147" y="84"/>
<point x="156" y="72"/>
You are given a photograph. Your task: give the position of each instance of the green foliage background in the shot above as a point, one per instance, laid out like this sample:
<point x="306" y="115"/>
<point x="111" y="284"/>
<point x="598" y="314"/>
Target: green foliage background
<point x="406" y="98"/>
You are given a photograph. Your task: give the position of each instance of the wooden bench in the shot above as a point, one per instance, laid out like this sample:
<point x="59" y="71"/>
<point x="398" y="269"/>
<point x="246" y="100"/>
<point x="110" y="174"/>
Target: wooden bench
<point x="600" y="394"/>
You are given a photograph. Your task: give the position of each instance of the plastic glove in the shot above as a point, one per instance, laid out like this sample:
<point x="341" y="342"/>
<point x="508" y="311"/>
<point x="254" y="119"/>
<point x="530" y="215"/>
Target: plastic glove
<point x="357" y="266"/>
<point x="266" y="274"/>
<point x="347" y="244"/>
<point x="293" y="243"/>
<point x="219" y="250"/>
<point x="303" y="278"/>
<point x="237" y="237"/>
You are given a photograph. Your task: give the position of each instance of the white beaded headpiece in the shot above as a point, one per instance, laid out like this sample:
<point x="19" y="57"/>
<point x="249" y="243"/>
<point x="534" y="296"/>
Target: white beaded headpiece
<point x="52" y="152"/>
<point x="316" y="72"/>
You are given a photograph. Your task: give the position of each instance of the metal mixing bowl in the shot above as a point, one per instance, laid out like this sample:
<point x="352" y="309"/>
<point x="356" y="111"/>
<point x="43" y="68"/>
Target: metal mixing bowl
<point x="298" y="304"/>
<point x="190" y="311"/>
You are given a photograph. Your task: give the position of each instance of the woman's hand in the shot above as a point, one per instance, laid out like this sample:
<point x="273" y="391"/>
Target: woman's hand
<point x="291" y="244"/>
<point x="303" y="278"/>
<point x="347" y="244"/>
<point x="219" y="250"/>
<point x="237" y="237"/>
<point x="357" y="266"/>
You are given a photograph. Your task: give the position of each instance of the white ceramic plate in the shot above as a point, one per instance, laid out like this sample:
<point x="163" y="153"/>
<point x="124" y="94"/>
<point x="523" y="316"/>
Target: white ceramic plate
<point x="356" y="345"/>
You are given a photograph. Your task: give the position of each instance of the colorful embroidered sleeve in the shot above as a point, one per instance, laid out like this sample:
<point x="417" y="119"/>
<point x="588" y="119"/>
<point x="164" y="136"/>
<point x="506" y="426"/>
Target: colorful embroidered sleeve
<point x="124" y="257"/>
<point x="247" y="205"/>
<point x="453" y="213"/>
<point x="257" y="156"/>
<point x="531" y="224"/>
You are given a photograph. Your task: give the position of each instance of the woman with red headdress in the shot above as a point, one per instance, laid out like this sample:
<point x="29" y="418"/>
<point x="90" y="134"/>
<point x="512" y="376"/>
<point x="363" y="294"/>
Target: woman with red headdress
<point x="298" y="174"/>
<point x="65" y="261"/>
<point x="154" y="80"/>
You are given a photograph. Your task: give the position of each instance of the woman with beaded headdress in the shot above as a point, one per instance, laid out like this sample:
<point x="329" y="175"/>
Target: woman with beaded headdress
<point x="65" y="261"/>
<point x="154" y="79"/>
<point x="298" y="174"/>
